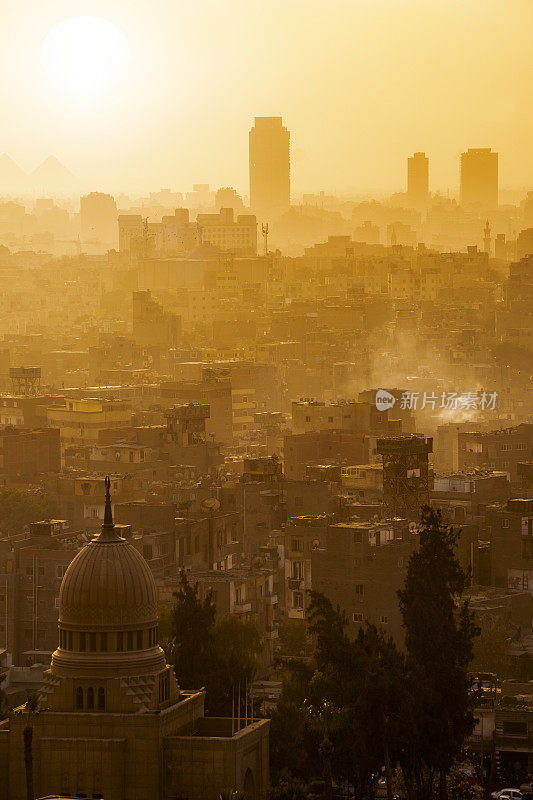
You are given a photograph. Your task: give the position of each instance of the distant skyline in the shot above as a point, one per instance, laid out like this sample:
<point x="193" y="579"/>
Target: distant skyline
<point x="360" y="84"/>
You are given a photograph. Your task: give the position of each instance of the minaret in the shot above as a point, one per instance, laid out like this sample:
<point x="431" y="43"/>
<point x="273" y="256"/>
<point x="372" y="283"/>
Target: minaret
<point x="487" y="239"/>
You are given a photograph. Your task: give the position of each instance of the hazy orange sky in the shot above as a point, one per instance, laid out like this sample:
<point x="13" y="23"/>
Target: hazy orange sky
<point x="360" y="83"/>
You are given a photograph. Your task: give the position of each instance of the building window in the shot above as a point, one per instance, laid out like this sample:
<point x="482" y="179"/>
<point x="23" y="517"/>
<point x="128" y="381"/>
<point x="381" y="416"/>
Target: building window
<point x="83" y="645"/>
<point x="298" y="600"/>
<point x="297" y="545"/>
<point x="164" y="687"/>
<point x="357" y="616"/>
<point x="359" y="589"/>
<point x="130" y="640"/>
<point x="101" y="698"/>
<point x="505" y="523"/>
<point x="298" y="570"/>
<point x="79" y="698"/>
<point x="69" y="640"/>
<point x="92" y="642"/>
<point x="120" y="641"/>
<point x="56" y="602"/>
<point x="139" y="640"/>
<point x="383" y="620"/>
<point x="61" y="569"/>
<point x="103" y="642"/>
<point x="90" y="698"/>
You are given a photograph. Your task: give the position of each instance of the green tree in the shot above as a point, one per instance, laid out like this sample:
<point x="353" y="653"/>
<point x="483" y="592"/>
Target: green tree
<point x="237" y="644"/>
<point x="293" y="638"/>
<point x="218" y="653"/>
<point x="192" y="621"/>
<point x="341" y="707"/>
<point x="440" y="631"/>
<point x="19" y="507"/>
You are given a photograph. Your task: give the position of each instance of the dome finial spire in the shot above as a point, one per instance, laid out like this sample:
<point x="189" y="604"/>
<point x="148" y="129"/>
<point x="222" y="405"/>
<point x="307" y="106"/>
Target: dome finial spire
<point x="108" y="528"/>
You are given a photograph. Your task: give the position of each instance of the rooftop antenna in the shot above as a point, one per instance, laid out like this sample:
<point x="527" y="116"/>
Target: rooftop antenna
<point x="264" y="231"/>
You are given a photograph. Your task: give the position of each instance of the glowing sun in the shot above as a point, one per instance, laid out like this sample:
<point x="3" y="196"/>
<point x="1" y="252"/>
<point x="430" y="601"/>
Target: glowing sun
<point x="85" y="55"/>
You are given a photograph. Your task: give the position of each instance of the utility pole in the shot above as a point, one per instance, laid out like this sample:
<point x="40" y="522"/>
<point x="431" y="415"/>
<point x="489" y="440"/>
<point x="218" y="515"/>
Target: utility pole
<point x="145" y="237"/>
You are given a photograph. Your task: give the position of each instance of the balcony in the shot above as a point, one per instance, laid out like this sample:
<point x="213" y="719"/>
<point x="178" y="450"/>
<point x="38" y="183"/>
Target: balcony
<point x="296" y="613"/>
<point x="242" y="607"/>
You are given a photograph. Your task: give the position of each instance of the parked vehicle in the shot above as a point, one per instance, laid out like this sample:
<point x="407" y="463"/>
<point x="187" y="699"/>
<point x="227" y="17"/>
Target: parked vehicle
<point x="507" y="794"/>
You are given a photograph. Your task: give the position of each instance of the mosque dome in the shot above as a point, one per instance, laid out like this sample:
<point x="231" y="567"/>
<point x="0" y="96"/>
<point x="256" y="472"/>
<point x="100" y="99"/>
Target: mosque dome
<point x="108" y="583"/>
<point x="108" y="609"/>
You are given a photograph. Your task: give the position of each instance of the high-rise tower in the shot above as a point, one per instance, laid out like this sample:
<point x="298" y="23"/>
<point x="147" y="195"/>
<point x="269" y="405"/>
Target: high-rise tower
<point x="418" y="178"/>
<point x="269" y="151"/>
<point x="479" y="177"/>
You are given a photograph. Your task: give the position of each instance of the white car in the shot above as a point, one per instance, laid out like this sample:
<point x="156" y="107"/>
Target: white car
<point x="507" y="794"/>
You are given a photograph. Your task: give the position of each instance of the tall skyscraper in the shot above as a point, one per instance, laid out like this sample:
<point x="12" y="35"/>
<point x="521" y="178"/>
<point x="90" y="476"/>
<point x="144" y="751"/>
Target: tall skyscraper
<point x="98" y="219"/>
<point x="479" y="177"/>
<point x="269" y="150"/>
<point x="418" y="178"/>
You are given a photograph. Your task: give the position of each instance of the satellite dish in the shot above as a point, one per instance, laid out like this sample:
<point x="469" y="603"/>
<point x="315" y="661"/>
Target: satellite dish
<point x="210" y="504"/>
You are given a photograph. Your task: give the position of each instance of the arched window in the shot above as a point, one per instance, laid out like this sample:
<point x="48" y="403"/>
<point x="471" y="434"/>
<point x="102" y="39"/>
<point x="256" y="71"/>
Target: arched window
<point x="90" y="698"/>
<point x="79" y="698"/>
<point x="249" y="785"/>
<point x="101" y="698"/>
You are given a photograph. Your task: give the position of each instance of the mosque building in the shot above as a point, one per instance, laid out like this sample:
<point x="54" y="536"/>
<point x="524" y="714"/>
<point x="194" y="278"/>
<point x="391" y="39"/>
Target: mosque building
<point x="112" y="721"/>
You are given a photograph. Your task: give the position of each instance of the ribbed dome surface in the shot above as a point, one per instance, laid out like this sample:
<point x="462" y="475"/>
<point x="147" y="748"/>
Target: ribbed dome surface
<point x="108" y="583"/>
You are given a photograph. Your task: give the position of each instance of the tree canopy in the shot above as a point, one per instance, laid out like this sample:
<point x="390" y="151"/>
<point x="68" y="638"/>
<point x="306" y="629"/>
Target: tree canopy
<point x="216" y="652"/>
<point x="440" y="631"/>
<point x="361" y="707"/>
<point x="19" y="507"/>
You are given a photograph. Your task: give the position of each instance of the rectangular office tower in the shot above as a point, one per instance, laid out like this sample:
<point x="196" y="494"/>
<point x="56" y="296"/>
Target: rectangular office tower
<point x="269" y="150"/>
<point x="418" y="178"/>
<point x="479" y="177"/>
